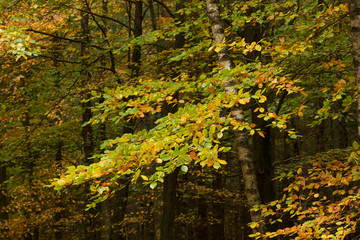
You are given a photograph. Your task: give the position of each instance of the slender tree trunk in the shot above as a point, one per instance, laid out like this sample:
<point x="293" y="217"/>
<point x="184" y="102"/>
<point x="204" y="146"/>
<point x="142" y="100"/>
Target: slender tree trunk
<point x="202" y="229"/>
<point x="60" y="214"/>
<point x="168" y="216"/>
<point x="218" y="208"/>
<point x="261" y="146"/>
<point x="152" y="15"/>
<point x="91" y="222"/>
<point x="170" y="181"/>
<point x="118" y="205"/>
<point x="58" y="155"/>
<point x="136" y="54"/>
<point x="169" y="194"/>
<point x="3" y="197"/>
<point x="243" y="150"/>
<point x="86" y="131"/>
<point x="354" y="10"/>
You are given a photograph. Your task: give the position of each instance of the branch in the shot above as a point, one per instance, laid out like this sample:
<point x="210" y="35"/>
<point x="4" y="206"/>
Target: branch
<point x="58" y="59"/>
<point x="63" y="38"/>
<point x="102" y="16"/>
<point x="112" y="60"/>
<point x="166" y="8"/>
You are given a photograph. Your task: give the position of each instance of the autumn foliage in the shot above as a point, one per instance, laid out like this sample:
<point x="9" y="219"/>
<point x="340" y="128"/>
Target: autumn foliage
<point x="119" y="120"/>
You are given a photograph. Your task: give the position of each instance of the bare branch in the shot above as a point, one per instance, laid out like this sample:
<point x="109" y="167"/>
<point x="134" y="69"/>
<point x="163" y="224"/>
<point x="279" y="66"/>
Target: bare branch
<point x="166" y="8"/>
<point x="102" y="16"/>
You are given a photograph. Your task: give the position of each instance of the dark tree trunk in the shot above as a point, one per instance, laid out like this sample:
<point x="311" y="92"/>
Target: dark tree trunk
<point x="118" y="206"/>
<point x="3" y="196"/>
<point x="61" y="213"/>
<point x="202" y="229"/>
<point x="169" y="199"/>
<point x="218" y="208"/>
<point x="261" y="149"/>
<point x="136" y="54"/>
<point x="91" y="222"/>
<point x="354" y="10"/>
<point x="170" y="181"/>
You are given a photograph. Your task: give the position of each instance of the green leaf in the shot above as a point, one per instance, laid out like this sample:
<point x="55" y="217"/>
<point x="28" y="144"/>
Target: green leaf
<point x="355" y="145"/>
<point x="153" y="185"/>
<point x="184" y="168"/>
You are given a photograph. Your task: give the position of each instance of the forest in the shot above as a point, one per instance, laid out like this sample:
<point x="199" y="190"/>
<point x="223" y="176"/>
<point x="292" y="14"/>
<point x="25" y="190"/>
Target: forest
<point x="179" y="119"/>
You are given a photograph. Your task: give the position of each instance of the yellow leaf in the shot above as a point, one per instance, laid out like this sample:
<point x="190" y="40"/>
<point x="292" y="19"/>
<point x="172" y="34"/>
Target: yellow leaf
<point x="61" y="182"/>
<point x="145" y="178"/>
<point x="243" y="101"/>
<point x="258" y="48"/>
<point x="272" y="114"/>
<point x="222" y="162"/>
<point x="252" y="131"/>
<point x="68" y="182"/>
<point x="261" y="134"/>
<point x="218" y="48"/>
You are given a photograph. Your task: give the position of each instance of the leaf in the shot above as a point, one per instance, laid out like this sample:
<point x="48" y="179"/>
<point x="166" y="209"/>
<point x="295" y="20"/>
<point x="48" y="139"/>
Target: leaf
<point x="355" y="145"/>
<point x="222" y="162"/>
<point x="258" y="48"/>
<point x="253" y="225"/>
<point x="193" y="156"/>
<point x="261" y="134"/>
<point x="61" y="182"/>
<point x="153" y="185"/>
<point x="145" y="178"/>
<point x="184" y="168"/>
<point x="243" y="101"/>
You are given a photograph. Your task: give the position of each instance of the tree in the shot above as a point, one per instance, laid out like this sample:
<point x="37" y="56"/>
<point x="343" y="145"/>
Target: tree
<point x="354" y="22"/>
<point x="247" y="164"/>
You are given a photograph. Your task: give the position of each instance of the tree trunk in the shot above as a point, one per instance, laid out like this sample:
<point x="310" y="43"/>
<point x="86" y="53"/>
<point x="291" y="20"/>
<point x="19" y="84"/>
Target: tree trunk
<point x="168" y="215"/>
<point x="170" y="181"/>
<point x="354" y="10"/>
<point x="136" y="54"/>
<point x="243" y="150"/>
<point x="3" y="197"/>
<point x="87" y="132"/>
<point x="218" y="208"/>
<point x="202" y="229"/>
<point x="61" y="213"/>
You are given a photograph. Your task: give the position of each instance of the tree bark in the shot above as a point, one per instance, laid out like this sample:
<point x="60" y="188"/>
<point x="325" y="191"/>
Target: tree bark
<point x="3" y="196"/>
<point x="243" y="150"/>
<point x="87" y="132"/>
<point x="170" y="181"/>
<point x="354" y="11"/>
<point x="136" y="54"/>
<point x="168" y="216"/>
<point x="218" y="208"/>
